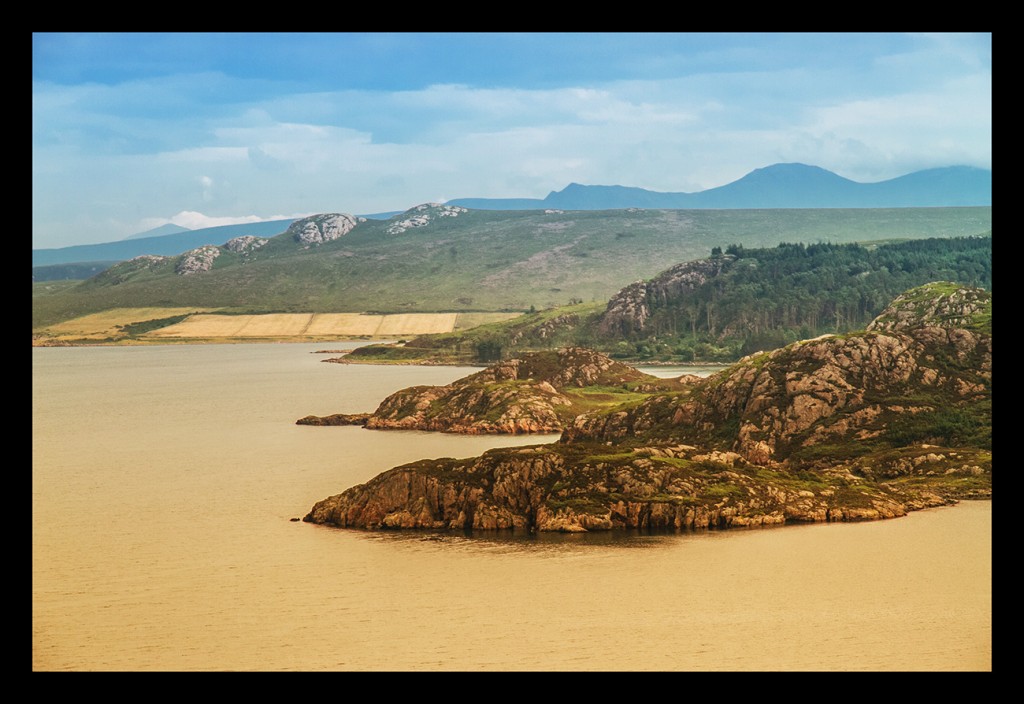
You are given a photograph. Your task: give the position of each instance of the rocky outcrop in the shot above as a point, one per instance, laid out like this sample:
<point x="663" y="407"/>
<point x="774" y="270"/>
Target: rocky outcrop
<point x="833" y="389"/>
<point x="546" y="329"/>
<point x="629" y="309"/>
<point x="197" y="260"/>
<point x="147" y="260"/>
<point x="245" y="244"/>
<point x="326" y="227"/>
<point x="939" y="304"/>
<point x="853" y="427"/>
<point x="335" y="419"/>
<point x="570" y="366"/>
<point x="423" y="215"/>
<point x="577" y="489"/>
<point x="524" y="395"/>
<point x="474" y="408"/>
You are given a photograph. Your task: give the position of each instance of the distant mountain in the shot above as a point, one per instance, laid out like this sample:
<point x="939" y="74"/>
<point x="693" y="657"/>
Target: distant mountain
<point x="776" y="186"/>
<point x="166" y="245"/>
<point x="168" y="229"/>
<point x="446" y="259"/>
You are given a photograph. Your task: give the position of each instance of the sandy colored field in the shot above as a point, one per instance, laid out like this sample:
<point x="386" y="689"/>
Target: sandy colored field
<point x="313" y="325"/>
<point x="344" y="324"/>
<point x="106" y="324"/>
<point x="417" y="324"/>
<point x="204" y="326"/>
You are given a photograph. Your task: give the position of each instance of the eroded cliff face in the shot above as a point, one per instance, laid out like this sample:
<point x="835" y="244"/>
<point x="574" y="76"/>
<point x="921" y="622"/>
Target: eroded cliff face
<point x="851" y="427"/>
<point x="578" y="488"/>
<point x="629" y="309"/>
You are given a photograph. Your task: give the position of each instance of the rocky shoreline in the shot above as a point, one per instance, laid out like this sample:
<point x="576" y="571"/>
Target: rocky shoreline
<point x="861" y="426"/>
<point x="537" y="393"/>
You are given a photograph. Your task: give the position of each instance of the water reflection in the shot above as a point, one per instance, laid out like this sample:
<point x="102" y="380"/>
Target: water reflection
<point x="666" y="372"/>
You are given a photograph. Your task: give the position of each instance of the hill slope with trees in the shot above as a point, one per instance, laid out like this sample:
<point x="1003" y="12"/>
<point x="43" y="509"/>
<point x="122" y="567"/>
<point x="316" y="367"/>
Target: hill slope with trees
<point x="735" y="302"/>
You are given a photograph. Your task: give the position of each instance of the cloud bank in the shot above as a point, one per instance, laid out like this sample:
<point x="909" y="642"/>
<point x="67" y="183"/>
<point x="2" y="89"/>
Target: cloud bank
<point x="114" y="154"/>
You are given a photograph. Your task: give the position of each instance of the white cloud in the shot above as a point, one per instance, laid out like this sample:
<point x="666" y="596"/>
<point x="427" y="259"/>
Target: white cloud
<point x="106" y="157"/>
<point x="195" y="220"/>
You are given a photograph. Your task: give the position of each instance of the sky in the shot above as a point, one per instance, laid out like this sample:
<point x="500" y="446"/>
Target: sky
<point x="133" y="131"/>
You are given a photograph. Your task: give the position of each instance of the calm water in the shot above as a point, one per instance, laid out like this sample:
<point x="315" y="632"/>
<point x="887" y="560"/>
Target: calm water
<point x="164" y="479"/>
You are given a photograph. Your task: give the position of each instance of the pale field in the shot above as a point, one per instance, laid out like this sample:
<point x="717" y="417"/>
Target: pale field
<point x="205" y="326"/>
<point x="106" y="324"/>
<point x="276" y="325"/>
<point x="344" y="324"/>
<point x="417" y="324"/>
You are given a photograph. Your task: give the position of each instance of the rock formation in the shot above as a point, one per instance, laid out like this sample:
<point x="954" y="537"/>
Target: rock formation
<point x="832" y="389"/>
<point x="197" y="260"/>
<point x="525" y="395"/>
<point x="859" y="426"/>
<point x="629" y="309"/>
<point x="245" y="244"/>
<point x="322" y="228"/>
<point x="576" y="488"/>
<point x="423" y="215"/>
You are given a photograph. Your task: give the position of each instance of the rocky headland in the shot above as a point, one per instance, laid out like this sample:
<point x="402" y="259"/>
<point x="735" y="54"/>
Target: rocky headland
<point x="540" y="392"/>
<point x="845" y="427"/>
<point x="322" y="228"/>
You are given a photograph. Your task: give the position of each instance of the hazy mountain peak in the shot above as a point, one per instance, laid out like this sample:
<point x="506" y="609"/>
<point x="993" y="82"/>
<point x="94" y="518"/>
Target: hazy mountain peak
<point x="165" y="229"/>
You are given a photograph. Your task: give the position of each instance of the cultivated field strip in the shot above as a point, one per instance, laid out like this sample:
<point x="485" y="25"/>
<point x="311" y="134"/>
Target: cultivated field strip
<point x="417" y="323"/>
<point x="309" y="325"/>
<point x="202" y="324"/>
<point x="108" y="322"/>
<point x="344" y="324"/>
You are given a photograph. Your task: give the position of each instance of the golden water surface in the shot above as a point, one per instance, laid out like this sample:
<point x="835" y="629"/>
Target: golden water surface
<point x="164" y="478"/>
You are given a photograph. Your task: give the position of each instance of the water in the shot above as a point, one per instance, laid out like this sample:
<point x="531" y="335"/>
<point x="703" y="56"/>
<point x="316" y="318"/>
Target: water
<point x="164" y="479"/>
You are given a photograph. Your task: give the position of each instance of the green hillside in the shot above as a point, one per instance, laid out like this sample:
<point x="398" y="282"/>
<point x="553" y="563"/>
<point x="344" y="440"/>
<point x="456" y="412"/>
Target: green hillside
<point x="733" y="303"/>
<point x="480" y="260"/>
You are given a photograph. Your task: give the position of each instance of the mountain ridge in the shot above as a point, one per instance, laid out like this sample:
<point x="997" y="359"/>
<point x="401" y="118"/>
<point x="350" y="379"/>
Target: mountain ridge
<point x="166" y="229"/>
<point x="791" y="185"/>
<point x="782" y="185"/>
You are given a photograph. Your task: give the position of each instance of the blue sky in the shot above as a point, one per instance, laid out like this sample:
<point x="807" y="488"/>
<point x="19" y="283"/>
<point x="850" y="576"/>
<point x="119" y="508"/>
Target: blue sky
<point x="131" y="131"/>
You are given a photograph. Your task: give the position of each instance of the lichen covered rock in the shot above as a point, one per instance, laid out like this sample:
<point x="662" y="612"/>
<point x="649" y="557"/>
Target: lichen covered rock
<point x="322" y="228"/>
<point x="423" y="215"/>
<point x="245" y="244"/>
<point x="197" y="260"/>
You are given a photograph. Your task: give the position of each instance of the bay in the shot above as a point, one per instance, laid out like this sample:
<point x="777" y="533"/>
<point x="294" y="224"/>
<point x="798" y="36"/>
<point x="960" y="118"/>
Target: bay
<point x="163" y="484"/>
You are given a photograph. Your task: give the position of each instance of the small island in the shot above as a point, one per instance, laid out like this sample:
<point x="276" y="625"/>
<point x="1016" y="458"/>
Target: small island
<point x="856" y="426"/>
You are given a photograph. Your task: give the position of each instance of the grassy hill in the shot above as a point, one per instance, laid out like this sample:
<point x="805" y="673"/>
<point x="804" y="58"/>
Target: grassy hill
<point x="734" y="303"/>
<point x="480" y="260"/>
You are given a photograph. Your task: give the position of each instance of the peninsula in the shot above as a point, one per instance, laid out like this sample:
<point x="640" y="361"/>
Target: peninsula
<point x="845" y="427"/>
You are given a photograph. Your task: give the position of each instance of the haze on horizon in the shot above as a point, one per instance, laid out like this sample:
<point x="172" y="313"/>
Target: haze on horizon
<point x="132" y="131"/>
